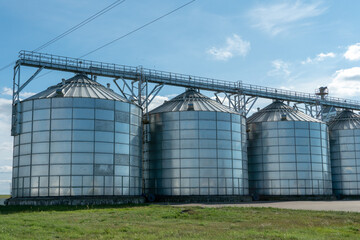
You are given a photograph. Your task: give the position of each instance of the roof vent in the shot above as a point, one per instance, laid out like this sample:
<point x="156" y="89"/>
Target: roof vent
<point x="108" y="85"/>
<point x="59" y="93"/>
<point x="190" y="107"/>
<point x="63" y="81"/>
<point x="283" y="117"/>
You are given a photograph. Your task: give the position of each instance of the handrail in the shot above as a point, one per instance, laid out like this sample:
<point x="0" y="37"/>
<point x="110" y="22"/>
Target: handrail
<point x="109" y="69"/>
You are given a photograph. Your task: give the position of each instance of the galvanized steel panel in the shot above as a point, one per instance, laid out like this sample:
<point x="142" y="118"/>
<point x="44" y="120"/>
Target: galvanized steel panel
<point x="71" y="140"/>
<point x="289" y="156"/>
<point x="196" y="152"/>
<point x="344" y="142"/>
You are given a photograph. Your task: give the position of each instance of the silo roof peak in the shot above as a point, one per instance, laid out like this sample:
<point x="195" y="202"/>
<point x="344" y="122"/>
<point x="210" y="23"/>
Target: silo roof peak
<point x="276" y="112"/>
<point x="345" y="120"/>
<point x="198" y="101"/>
<point x="79" y="86"/>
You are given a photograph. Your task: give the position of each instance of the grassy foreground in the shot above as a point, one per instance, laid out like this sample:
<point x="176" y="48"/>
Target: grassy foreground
<point x="166" y="222"/>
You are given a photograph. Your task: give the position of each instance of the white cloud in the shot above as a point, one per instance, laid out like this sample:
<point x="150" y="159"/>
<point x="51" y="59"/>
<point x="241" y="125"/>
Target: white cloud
<point x="345" y="82"/>
<point x="5" y="169"/>
<point x="353" y="52"/>
<point x="5" y="186"/>
<point x="322" y="56"/>
<point x="25" y="95"/>
<point x="8" y="92"/>
<point x="280" y="68"/>
<point x="6" y="144"/>
<point x="235" y="46"/>
<point x="319" y="58"/>
<point x="158" y="100"/>
<point x="290" y="88"/>
<point x="277" y="18"/>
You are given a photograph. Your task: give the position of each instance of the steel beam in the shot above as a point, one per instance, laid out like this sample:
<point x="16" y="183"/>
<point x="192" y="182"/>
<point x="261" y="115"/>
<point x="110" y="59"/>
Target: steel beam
<point x="59" y="63"/>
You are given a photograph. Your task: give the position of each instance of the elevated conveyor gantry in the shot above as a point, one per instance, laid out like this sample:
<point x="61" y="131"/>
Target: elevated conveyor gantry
<point x="239" y="94"/>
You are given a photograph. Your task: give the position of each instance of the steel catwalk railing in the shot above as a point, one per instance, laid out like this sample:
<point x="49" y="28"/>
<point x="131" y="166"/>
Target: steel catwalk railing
<point x="59" y="63"/>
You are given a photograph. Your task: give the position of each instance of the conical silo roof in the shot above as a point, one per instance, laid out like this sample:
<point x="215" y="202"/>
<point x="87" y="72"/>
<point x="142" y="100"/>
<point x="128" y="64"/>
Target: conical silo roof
<point x="192" y="100"/>
<point x="277" y="111"/>
<point x="79" y="86"/>
<point x="345" y="120"/>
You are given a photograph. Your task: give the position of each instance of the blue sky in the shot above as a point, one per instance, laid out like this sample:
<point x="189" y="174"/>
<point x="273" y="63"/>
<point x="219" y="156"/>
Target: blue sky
<point x="297" y="45"/>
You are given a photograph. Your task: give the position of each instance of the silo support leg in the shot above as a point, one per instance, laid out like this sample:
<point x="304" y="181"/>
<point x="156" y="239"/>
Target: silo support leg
<point x="249" y="103"/>
<point x="29" y="80"/>
<point x="15" y="127"/>
<point x="154" y="92"/>
<point x="229" y="100"/>
<point x="124" y="89"/>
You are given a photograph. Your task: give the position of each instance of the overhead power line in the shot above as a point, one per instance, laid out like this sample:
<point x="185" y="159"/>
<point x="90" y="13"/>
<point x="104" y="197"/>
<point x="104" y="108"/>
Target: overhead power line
<point x="137" y="29"/>
<point x="131" y="32"/>
<point x="72" y="29"/>
<point x="8" y="65"/>
<point x="86" y="21"/>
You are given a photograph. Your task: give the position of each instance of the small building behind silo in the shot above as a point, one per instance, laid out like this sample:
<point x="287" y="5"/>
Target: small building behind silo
<point x="344" y="132"/>
<point x="77" y="139"/>
<point x="197" y="148"/>
<point x="288" y="153"/>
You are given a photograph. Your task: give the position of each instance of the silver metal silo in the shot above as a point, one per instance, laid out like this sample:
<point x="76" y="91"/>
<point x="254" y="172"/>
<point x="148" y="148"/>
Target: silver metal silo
<point x="197" y="147"/>
<point x="77" y="138"/>
<point x="344" y="132"/>
<point x="288" y="153"/>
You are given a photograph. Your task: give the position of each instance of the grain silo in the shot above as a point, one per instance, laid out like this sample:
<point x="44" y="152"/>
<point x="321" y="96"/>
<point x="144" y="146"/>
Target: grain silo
<point x="197" y="147"/>
<point x="77" y="138"/>
<point x="344" y="132"/>
<point x="288" y="153"/>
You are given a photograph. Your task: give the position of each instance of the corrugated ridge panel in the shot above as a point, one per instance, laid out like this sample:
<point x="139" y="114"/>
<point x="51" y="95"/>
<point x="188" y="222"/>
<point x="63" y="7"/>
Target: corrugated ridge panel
<point x="275" y="111"/>
<point x="345" y="120"/>
<point x="79" y="86"/>
<point x="200" y="102"/>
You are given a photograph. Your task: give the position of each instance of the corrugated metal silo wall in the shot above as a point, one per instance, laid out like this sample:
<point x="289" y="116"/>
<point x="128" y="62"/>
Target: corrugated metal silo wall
<point x="197" y="153"/>
<point x="77" y="146"/>
<point x="345" y="160"/>
<point x="289" y="158"/>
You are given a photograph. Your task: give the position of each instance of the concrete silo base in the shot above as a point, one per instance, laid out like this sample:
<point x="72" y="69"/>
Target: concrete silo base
<point x="347" y="197"/>
<point x="81" y="201"/>
<point x="294" y="198"/>
<point x="203" y="199"/>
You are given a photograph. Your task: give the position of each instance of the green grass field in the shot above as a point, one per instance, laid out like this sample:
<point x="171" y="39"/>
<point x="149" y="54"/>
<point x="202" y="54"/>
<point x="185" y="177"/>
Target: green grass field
<point x="166" y="222"/>
<point x="4" y="196"/>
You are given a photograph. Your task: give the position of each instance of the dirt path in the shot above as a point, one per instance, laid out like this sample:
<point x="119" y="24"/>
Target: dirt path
<point x="348" y="206"/>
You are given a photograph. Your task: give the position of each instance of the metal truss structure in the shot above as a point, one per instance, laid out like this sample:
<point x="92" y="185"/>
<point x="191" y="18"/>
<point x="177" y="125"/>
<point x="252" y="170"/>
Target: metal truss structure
<point x="134" y="84"/>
